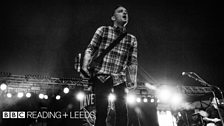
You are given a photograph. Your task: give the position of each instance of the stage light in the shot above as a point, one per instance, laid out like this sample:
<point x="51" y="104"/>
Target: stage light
<point x="131" y="98"/>
<point x="145" y="100"/>
<point x="9" y="95"/>
<point x="164" y="93"/>
<point x="176" y="99"/>
<point x="41" y="96"/>
<point x="152" y="100"/>
<point x="80" y="96"/>
<point x="28" y="95"/>
<point x="138" y="99"/>
<point x="58" y="97"/>
<point x="45" y="96"/>
<point x="66" y="90"/>
<point x="111" y="97"/>
<point x="3" y="86"/>
<point x="20" y="94"/>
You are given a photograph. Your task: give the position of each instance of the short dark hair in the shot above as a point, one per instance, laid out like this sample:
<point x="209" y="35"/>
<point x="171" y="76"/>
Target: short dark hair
<point x="117" y="6"/>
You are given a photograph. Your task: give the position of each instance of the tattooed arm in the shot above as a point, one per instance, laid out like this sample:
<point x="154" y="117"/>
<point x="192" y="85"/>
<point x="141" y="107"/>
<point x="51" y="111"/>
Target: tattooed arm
<point x="133" y="64"/>
<point x="133" y="74"/>
<point x="91" y="49"/>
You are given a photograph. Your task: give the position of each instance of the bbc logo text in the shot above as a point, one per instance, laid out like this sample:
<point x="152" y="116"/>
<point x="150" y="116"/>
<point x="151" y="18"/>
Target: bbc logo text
<point x="13" y="115"/>
<point x="47" y="114"/>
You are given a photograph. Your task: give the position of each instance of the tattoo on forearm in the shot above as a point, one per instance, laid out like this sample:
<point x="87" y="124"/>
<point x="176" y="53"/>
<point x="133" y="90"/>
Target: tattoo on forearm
<point x="86" y="59"/>
<point x="133" y="72"/>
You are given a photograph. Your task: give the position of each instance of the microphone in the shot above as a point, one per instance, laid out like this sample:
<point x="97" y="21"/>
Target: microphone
<point x="187" y="73"/>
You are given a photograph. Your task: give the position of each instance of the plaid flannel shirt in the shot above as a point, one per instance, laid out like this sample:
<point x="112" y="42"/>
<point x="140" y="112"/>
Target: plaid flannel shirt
<point x="119" y="58"/>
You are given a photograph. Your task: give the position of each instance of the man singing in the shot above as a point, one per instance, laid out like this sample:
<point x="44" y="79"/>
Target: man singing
<point x="111" y="73"/>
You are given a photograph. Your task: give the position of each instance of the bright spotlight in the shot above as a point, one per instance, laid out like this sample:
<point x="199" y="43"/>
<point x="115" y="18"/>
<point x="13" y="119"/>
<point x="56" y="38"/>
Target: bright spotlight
<point x="138" y="99"/>
<point x="131" y="98"/>
<point x="176" y="99"/>
<point x="152" y="100"/>
<point x="66" y="90"/>
<point x="9" y="95"/>
<point x="145" y="100"/>
<point x="111" y="97"/>
<point x="45" y="96"/>
<point x="80" y="96"/>
<point x="3" y="86"/>
<point x="41" y="96"/>
<point x="164" y="94"/>
<point x="20" y="95"/>
<point x="58" y="97"/>
<point x="28" y="95"/>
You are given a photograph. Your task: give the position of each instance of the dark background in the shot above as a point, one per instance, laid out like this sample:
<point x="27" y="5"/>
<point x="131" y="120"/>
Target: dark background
<point x="43" y="37"/>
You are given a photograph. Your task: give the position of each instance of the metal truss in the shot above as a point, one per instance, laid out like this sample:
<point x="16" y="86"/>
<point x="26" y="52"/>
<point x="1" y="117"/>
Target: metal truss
<point x="194" y="90"/>
<point x="37" y="83"/>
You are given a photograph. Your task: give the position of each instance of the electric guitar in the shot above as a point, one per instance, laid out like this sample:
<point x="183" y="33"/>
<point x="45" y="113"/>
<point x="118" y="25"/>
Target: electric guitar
<point x="97" y="61"/>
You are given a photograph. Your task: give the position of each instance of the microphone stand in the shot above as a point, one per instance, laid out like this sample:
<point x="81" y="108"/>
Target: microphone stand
<point x="204" y="83"/>
<point x="209" y="85"/>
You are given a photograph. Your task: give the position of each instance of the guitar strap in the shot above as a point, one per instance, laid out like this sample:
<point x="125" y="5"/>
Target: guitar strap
<point x="112" y="45"/>
<point x="104" y="52"/>
<point x="103" y="78"/>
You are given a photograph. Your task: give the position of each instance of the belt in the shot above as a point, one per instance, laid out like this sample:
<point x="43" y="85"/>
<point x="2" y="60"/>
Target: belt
<point x="103" y="77"/>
